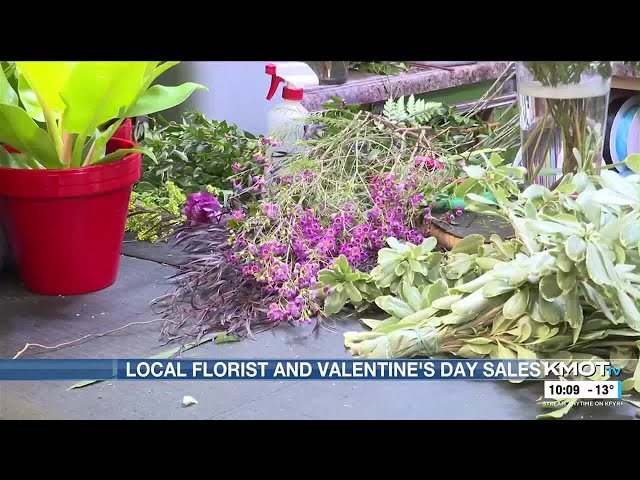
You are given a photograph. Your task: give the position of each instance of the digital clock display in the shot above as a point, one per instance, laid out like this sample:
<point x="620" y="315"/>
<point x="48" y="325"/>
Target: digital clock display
<point x="582" y="389"/>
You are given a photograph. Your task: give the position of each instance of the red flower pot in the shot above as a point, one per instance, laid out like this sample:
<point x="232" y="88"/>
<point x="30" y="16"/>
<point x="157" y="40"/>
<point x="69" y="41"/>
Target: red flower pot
<point x="66" y="226"/>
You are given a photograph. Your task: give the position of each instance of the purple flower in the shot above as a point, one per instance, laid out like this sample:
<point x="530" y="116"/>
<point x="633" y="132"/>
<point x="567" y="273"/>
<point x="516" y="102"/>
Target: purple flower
<point x="415" y="200"/>
<point x="459" y="211"/>
<point x="259" y="159"/>
<point x="236" y="167"/>
<point x="270" y="210"/>
<point x="237" y="215"/>
<point x="276" y="314"/>
<point x="202" y="207"/>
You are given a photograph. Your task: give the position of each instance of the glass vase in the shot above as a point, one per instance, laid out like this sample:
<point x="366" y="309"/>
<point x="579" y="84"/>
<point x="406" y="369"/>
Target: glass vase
<point x="330" y="73"/>
<point x="563" y="116"/>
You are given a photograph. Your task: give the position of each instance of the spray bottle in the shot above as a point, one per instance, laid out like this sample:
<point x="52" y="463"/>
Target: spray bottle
<point x="285" y="121"/>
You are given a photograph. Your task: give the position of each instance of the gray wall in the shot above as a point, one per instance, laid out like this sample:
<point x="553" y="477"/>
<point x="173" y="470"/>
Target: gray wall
<point x="237" y="92"/>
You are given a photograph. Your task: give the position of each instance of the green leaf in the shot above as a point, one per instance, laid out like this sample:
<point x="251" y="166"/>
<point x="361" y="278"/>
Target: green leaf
<point x="123" y="152"/>
<point x="496" y="288"/>
<point x="396" y="245"/>
<point x="553" y="228"/>
<point x="428" y="244"/>
<point x="517" y="305"/>
<point x="633" y="162"/>
<point x="29" y="100"/>
<point x="343" y="265"/>
<point x="487" y="263"/>
<point x="629" y="310"/>
<point x="7" y="93"/>
<point x="113" y="86"/>
<point x="505" y="353"/>
<point x="437" y="290"/>
<point x="566" y="281"/>
<point x="469" y="244"/>
<point x="415" y="265"/>
<point x="549" y="288"/>
<point x="411" y="295"/>
<point x="223" y="338"/>
<point x="335" y="302"/>
<point x="574" y="315"/>
<point x="458" y="265"/>
<point x="533" y="192"/>
<point x="629" y="236"/>
<point x="353" y="292"/>
<point x="327" y="277"/>
<point x="19" y="130"/>
<point x="481" y="199"/>
<point x="474" y="171"/>
<point x="549" y="311"/>
<point x="445" y="303"/>
<point x="596" y="267"/>
<point x="159" y="98"/>
<point x="575" y="248"/>
<point x="394" y="306"/>
<point x="47" y="80"/>
<point x="388" y="255"/>
<point x="461" y="190"/>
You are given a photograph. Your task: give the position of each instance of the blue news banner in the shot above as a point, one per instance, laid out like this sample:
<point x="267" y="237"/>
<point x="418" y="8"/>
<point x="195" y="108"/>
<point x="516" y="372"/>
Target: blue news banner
<point x="200" y="369"/>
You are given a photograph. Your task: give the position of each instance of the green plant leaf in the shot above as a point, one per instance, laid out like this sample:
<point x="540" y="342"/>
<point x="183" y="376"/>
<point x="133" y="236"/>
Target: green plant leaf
<point x="474" y="171"/>
<point x="633" y="162"/>
<point x="327" y="277"/>
<point x="223" y="338"/>
<point x="335" y="302"/>
<point x="29" y="100"/>
<point x="394" y="306"/>
<point x="8" y="95"/>
<point x="123" y="152"/>
<point x="574" y="315"/>
<point x="549" y="288"/>
<point x="353" y="293"/>
<point x="159" y="98"/>
<point x="114" y="86"/>
<point x="19" y="130"/>
<point x="596" y="267"/>
<point x="469" y="244"/>
<point x="575" y="248"/>
<point x="343" y="265"/>
<point x="437" y="290"/>
<point x="480" y="199"/>
<point x="629" y="310"/>
<point x="517" y="305"/>
<point x="428" y="244"/>
<point x="47" y="80"/>
<point x="411" y="295"/>
<point x="496" y="288"/>
<point x="566" y="281"/>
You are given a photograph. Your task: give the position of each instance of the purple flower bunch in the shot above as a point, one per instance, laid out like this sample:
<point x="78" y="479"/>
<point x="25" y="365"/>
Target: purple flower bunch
<point x="288" y="263"/>
<point x="202" y="207"/>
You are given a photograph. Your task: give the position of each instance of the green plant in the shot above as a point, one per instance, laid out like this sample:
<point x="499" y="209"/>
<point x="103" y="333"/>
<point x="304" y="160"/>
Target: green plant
<point x="380" y="68"/>
<point x="154" y="213"/>
<point x="414" y="264"/>
<point x="194" y="152"/>
<point x="60" y="115"/>
<point x="420" y="113"/>
<point x="571" y="292"/>
<point x="346" y="286"/>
